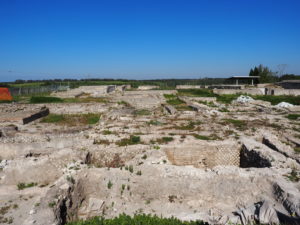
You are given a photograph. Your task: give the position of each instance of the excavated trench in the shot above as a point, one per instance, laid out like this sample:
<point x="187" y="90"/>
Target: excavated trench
<point x="209" y="155"/>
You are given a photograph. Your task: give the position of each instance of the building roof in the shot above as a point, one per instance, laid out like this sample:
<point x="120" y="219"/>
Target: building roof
<point x="244" y="77"/>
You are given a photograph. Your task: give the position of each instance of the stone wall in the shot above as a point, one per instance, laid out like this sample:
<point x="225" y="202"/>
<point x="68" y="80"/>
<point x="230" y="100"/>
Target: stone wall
<point x="281" y="91"/>
<point x="249" y="91"/>
<point x="205" y="154"/>
<point x="188" y="86"/>
<point x="147" y="87"/>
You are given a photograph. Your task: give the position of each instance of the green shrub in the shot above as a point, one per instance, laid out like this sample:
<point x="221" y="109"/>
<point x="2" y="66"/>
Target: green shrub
<point x="44" y="99"/>
<point x="22" y="186"/>
<point x="109" y="185"/>
<point x="133" y="140"/>
<point x="164" y="140"/>
<point x="130" y="168"/>
<point x="137" y="219"/>
<point x="293" y="116"/>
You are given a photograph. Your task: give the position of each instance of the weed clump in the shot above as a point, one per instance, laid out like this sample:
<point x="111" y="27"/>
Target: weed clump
<point x="293" y="116"/>
<point x="22" y="186"/>
<point x="132" y="140"/>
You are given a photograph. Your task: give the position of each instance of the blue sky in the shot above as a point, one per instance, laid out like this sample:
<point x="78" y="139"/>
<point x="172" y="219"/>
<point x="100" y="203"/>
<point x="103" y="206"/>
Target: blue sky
<point x="146" y="39"/>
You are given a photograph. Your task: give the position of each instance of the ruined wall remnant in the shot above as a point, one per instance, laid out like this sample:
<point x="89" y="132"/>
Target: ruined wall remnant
<point x="205" y="154"/>
<point x="42" y="113"/>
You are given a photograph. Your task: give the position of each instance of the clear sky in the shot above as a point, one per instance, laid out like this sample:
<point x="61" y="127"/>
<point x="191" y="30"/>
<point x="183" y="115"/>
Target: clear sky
<point x="146" y="39"/>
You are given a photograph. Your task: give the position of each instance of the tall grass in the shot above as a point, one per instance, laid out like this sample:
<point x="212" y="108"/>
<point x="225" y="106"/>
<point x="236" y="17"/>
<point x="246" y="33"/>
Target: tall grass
<point x="141" y="219"/>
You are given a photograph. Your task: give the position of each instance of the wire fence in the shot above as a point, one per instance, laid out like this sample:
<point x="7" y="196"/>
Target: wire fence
<point x="17" y="91"/>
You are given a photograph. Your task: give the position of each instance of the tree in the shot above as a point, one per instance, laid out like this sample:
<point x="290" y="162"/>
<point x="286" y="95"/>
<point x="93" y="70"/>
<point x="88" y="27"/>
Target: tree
<point x="264" y="73"/>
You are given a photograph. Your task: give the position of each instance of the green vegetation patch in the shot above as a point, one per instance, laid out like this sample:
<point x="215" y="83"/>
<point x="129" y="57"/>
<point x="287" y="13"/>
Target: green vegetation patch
<point x="142" y="112"/>
<point x="169" y="96"/>
<point x="274" y="100"/>
<point x="132" y="140"/>
<point x="293" y="176"/>
<point x="22" y="186"/>
<point x="175" y="101"/>
<point x="293" y="116"/>
<point x="190" y="126"/>
<point x="72" y="119"/>
<point x="197" y="92"/>
<point x="207" y="138"/>
<point x="239" y="124"/>
<point x="85" y="100"/>
<point x="227" y="99"/>
<point x="164" y="140"/>
<point x="137" y="219"/>
<point x="44" y="99"/>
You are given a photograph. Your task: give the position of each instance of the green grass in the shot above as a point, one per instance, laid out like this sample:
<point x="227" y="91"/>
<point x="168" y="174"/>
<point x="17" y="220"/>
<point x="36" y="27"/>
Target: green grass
<point x="169" y="96"/>
<point x="137" y="219"/>
<point x="44" y="99"/>
<point x="107" y="132"/>
<point x="239" y="124"/>
<point x="227" y="99"/>
<point x="85" y="100"/>
<point x="33" y="84"/>
<point x="190" y="126"/>
<point x="207" y="138"/>
<point x="175" y="101"/>
<point x="132" y="140"/>
<point x="142" y="112"/>
<point x="293" y="116"/>
<point x="154" y="122"/>
<point x="297" y="150"/>
<point x="22" y="186"/>
<point x="196" y="92"/>
<point x="164" y="140"/>
<point x="53" y="118"/>
<point x="274" y="100"/>
<point x="72" y="119"/>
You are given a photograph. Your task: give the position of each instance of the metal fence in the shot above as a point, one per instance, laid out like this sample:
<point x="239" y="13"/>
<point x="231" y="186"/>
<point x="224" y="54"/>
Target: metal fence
<point x="17" y="91"/>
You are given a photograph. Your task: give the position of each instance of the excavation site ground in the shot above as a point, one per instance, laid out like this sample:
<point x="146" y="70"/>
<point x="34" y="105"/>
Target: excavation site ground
<point x="90" y="151"/>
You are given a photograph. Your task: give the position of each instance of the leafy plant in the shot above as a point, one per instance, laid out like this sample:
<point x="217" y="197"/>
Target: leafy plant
<point x="293" y="116"/>
<point x="109" y="184"/>
<point x="133" y="140"/>
<point x="22" y="186"/>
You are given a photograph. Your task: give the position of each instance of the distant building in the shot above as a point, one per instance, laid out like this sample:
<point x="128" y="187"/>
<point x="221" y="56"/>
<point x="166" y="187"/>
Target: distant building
<point x="245" y="79"/>
<point x="290" y="84"/>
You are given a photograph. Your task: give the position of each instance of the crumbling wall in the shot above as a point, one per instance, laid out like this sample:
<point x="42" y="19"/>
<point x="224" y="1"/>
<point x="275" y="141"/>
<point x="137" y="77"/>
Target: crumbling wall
<point x="204" y="155"/>
<point x="250" y="91"/>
